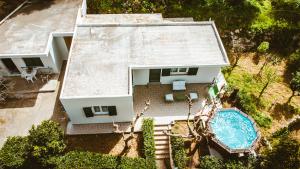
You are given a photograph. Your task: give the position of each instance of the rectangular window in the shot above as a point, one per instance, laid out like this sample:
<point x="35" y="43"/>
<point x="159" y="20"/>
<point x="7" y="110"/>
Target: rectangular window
<point x="33" y="62"/>
<point x="103" y="110"/>
<point x="179" y="71"/>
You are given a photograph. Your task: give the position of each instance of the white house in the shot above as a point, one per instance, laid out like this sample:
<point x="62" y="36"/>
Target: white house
<point x="111" y="54"/>
<point x="33" y="37"/>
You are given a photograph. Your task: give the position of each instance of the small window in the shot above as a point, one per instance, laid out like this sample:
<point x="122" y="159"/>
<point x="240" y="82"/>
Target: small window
<point x="33" y="62"/>
<point x="179" y="71"/>
<point x="103" y="110"/>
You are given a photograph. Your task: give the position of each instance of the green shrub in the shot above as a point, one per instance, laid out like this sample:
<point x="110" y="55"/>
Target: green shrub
<point x="86" y="160"/>
<point x="246" y="102"/>
<point x="178" y="152"/>
<point x="46" y="141"/>
<point x="14" y="152"/>
<point x="148" y="141"/>
<point x="210" y="162"/>
<point x="262" y="120"/>
<point x="132" y="163"/>
<point x="234" y="165"/>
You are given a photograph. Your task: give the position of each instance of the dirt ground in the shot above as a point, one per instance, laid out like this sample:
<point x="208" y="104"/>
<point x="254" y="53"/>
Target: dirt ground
<point x="105" y="143"/>
<point x="277" y="93"/>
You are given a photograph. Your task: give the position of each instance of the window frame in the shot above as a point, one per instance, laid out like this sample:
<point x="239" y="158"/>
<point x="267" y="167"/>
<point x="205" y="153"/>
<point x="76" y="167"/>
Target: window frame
<point x="100" y="112"/>
<point x="178" y="72"/>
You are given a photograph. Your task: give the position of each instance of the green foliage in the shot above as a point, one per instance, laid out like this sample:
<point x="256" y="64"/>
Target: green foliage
<point x="234" y="165"/>
<point x="246" y="102"/>
<point x="46" y="141"/>
<point x="294" y="60"/>
<point x="133" y="163"/>
<point x="86" y="160"/>
<point x="285" y="131"/>
<point x="14" y="152"/>
<point x="295" y="82"/>
<point x="89" y="160"/>
<point x="149" y="145"/>
<point x="210" y="162"/>
<point x="285" y="154"/>
<point x="178" y="152"/>
<point x="263" y="47"/>
<point x="262" y="120"/>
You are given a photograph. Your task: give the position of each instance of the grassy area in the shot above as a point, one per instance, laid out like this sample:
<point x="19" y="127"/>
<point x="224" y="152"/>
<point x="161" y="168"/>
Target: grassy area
<point x="273" y="101"/>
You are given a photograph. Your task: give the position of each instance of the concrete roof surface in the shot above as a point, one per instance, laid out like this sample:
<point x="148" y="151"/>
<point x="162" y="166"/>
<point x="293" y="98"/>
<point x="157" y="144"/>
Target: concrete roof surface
<point x="102" y="53"/>
<point x="28" y="30"/>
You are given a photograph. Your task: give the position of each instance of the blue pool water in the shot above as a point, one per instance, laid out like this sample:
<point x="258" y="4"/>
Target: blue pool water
<point x="233" y="129"/>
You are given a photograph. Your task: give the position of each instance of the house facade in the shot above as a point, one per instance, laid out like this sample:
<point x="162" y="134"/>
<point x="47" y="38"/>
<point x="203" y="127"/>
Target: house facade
<point x="44" y="43"/>
<point x="112" y="54"/>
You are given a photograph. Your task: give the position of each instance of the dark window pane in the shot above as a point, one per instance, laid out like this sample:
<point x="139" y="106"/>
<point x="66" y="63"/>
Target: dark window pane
<point x="30" y="62"/>
<point x="166" y="72"/>
<point x="104" y="108"/>
<point x="88" y="111"/>
<point x="97" y="109"/>
<point x="112" y="110"/>
<point x="193" y="71"/>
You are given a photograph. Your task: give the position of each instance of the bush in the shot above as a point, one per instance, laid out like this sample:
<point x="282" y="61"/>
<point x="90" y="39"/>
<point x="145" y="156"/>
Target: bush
<point x="86" y="160"/>
<point x="90" y="160"/>
<point x="285" y="154"/>
<point x="46" y="141"/>
<point x="246" y="102"/>
<point x="14" y="152"/>
<point x="178" y="152"/>
<point x="210" y="162"/>
<point x="132" y="163"/>
<point x="148" y="141"/>
<point x="234" y="165"/>
<point x="262" y="120"/>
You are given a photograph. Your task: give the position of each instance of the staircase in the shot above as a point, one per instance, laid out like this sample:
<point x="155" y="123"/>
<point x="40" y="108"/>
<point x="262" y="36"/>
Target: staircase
<point x="161" y="145"/>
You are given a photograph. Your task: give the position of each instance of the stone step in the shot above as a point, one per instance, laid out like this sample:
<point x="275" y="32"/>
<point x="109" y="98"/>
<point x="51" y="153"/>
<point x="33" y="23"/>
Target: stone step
<point x="162" y="156"/>
<point x="162" y="152"/>
<point x="163" y="146"/>
<point x="161" y="142"/>
<point x="162" y="137"/>
<point x="157" y="133"/>
<point x="161" y="128"/>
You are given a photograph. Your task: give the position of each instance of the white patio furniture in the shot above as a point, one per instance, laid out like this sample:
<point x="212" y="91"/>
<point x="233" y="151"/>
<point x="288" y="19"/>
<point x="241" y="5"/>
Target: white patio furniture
<point x="169" y="98"/>
<point x="29" y="78"/>
<point x="193" y="96"/>
<point x="179" y="85"/>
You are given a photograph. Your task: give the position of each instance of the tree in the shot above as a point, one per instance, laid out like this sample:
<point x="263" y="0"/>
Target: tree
<point x="284" y="155"/>
<point x="270" y="76"/>
<point x="262" y="49"/>
<point x="132" y="128"/>
<point x="210" y="162"/>
<point x="295" y="85"/>
<point x="14" y="152"/>
<point x="46" y="142"/>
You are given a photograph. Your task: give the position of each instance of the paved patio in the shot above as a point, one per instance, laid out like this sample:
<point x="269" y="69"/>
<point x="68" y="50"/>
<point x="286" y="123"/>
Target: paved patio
<point x="162" y="111"/>
<point x="27" y="105"/>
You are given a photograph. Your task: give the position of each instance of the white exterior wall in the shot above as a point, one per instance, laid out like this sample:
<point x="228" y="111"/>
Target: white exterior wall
<point x="140" y="76"/>
<point x="204" y="75"/>
<point x="124" y="105"/>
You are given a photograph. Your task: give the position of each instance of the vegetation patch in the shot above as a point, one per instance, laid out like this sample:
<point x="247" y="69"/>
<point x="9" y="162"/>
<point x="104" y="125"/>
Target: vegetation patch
<point x="149" y="145"/>
<point x="178" y="152"/>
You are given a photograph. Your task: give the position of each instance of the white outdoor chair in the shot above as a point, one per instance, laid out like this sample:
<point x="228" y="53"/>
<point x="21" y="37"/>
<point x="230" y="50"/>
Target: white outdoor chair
<point x="29" y="78"/>
<point x="193" y="96"/>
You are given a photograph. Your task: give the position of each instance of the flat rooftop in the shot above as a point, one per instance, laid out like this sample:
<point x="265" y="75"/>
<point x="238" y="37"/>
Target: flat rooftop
<point x="102" y="53"/>
<point x="28" y="30"/>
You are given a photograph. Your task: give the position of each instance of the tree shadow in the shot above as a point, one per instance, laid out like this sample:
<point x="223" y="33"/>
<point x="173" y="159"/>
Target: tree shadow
<point x="256" y="59"/>
<point x="33" y="6"/>
<point x="283" y="110"/>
